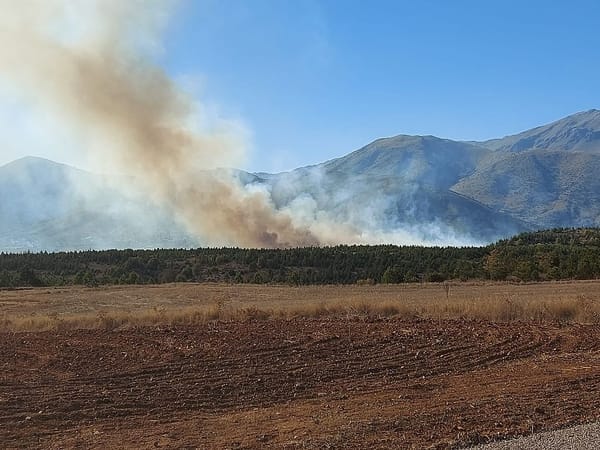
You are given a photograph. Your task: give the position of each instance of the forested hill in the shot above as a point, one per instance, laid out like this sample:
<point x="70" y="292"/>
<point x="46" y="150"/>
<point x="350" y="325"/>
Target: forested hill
<point x="544" y="255"/>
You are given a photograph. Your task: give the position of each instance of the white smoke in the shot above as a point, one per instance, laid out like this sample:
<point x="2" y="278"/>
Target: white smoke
<point x="89" y="65"/>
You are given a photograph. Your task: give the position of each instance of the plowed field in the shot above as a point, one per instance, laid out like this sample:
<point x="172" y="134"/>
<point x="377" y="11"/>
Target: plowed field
<point x="296" y="383"/>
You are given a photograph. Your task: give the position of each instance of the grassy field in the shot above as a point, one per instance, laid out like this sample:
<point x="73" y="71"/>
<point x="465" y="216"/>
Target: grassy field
<point x="180" y="304"/>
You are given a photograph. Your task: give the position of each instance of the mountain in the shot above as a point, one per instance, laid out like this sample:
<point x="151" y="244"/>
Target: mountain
<point x="576" y="133"/>
<point x="547" y="176"/>
<point x="34" y="190"/>
<point x="49" y="206"/>
<point x="541" y="178"/>
<point x="547" y="189"/>
<point x="439" y="190"/>
<point x="403" y="183"/>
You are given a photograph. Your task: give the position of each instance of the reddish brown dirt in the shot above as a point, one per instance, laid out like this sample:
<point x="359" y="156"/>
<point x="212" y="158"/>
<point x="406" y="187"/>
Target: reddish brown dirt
<point x="302" y="383"/>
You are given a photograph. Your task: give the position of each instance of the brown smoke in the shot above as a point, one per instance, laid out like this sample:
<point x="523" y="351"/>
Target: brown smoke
<point x="86" y="63"/>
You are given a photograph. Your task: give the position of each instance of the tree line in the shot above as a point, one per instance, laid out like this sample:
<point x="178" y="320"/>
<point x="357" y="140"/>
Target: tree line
<point x="545" y="255"/>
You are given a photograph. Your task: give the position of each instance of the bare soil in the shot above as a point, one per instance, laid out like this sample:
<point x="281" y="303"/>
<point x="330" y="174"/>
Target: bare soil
<point x="297" y="383"/>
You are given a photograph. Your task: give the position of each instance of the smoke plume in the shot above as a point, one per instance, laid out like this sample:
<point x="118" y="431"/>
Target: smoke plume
<point x="88" y="62"/>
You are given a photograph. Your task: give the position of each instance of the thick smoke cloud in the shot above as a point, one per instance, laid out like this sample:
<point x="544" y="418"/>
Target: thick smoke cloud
<point x="98" y="80"/>
<point x="89" y="63"/>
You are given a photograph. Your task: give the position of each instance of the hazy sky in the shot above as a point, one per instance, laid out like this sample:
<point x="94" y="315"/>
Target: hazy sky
<point x="316" y="79"/>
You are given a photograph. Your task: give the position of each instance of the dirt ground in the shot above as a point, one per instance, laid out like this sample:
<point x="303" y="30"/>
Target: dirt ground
<point x="301" y="383"/>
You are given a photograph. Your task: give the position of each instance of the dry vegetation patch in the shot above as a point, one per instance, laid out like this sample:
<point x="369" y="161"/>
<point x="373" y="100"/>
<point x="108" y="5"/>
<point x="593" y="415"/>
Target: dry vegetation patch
<point x="194" y="304"/>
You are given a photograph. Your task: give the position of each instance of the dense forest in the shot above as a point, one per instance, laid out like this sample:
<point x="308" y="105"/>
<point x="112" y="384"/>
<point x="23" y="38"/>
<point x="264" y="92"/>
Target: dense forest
<point x="543" y="255"/>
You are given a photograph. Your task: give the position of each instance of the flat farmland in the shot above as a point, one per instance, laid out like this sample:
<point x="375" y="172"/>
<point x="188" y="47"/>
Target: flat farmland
<point x="29" y="309"/>
<point x="402" y="366"/>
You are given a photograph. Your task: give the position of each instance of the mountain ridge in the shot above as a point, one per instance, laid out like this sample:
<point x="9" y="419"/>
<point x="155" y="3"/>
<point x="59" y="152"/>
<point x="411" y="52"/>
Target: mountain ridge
<point x="435" y="187"/>
<point x="571" y="133"/>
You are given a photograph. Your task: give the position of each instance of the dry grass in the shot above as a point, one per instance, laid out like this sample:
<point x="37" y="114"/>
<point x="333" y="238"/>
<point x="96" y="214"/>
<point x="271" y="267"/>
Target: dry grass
<point x="120" y="307"/>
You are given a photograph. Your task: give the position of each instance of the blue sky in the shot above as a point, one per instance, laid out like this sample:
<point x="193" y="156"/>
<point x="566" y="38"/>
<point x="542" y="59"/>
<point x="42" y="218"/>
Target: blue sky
<point x="312" y="80"/>
<point x="315" y="79"/>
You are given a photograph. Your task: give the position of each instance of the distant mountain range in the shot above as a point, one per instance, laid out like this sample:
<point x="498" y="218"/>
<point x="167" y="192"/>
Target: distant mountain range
<point x="49" y="206"/>
<point x="542" y="178"/>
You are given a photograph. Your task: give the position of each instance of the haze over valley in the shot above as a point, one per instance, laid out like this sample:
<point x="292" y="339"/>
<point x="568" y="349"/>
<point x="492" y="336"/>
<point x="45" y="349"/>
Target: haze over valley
<point x="402" y="190"/>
